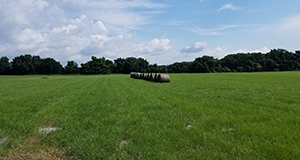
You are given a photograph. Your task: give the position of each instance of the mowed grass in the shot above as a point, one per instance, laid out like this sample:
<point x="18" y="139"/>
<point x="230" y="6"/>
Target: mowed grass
<point x="195" y="116"/>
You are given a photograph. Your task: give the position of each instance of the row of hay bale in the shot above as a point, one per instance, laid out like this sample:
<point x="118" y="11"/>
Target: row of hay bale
<point x="155" y="77"/>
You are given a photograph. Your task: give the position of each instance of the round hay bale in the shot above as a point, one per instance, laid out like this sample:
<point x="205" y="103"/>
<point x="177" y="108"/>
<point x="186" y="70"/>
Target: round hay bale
<point x="163" y="78"/>
<point x="142" y="76"/>
<point x="138" y="75"/>
<point x="152" y="76"/>
<point x="132" y="74"/>
<point x="145" y="76"/>
<point x="156" y="77"/>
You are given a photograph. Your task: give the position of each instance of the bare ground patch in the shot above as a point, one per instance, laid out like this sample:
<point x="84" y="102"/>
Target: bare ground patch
<point x="33" y="148"/>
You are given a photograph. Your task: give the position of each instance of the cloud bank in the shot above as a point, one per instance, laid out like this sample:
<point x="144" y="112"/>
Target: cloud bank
<point x="57" y="29"/>
<point x="78" y="29"/>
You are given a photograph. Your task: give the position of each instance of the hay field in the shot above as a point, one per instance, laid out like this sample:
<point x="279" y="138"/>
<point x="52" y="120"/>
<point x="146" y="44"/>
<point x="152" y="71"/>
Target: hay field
<point x="195" y="116"/>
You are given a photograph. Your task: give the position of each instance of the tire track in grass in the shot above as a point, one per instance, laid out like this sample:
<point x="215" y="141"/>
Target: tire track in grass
<point x="39" y="98"/>
<point x="80" y="116"/>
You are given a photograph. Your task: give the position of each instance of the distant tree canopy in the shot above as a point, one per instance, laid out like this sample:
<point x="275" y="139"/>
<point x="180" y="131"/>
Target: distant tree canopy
<point x="97" y="66"/>
<point x="275" y="60"/>
<point x="130" y="64"/>
<point x="206" y="64"/>
<point x="27" y="64"/>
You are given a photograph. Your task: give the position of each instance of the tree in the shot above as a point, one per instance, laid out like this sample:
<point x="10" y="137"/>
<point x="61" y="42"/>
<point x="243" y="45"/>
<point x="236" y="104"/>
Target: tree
<point x="71" y="68"/>
<point x="283" y="58"/>
<point x="96" y="66"/>
<point x="180" y="67"/>
<point x="206" y="64"/>
<point x="119" y="65"/>
<point x="226" y="69"/>
<point x="131" y="64"/>
<point x="153" y="68"/>
<point x="4" y="66"/>
<point x="50" y="66"/>
<point x="254" y="67"/>
<point x="37" y="61"/>
<point x="162" y="69"/>
<point x="110" y="65"/>
<point x="27" y="64"/>
<point x="142" y="65"/>
<point x="270" y="65"/>
<point x="22" y="65"/>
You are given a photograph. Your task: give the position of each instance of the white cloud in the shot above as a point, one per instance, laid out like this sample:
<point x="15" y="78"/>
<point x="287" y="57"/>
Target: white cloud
<point x="117" y="15"/>
<point x="101" y="26"/>
<point x="218" y="52"/>
<point x="159" y="45"/>
<point x="28" y="35"/>
<point x="197" y="47"/>
<point x="228" y="7"/>
<point x="67" y="29"/>
<point x="215" y="31"/>
<point x="114" y="4"/>
<point x="125" y="46"/>
<point x="262" y="50"/>
<point x="77" y="29"/>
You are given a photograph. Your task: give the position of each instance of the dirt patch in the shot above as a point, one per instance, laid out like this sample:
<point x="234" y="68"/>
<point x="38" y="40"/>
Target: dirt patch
<point x="3" y="140"/>
<point x="124" y="143"/>
<point x="189" y="126"/>
<point x="33" y="148"/>
<point x="47" y="130"/>
<point x="227" y="129"/>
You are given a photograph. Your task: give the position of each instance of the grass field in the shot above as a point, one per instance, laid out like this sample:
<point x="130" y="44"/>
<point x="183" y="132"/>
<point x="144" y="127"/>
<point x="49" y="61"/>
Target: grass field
<point x="195" y="116"/>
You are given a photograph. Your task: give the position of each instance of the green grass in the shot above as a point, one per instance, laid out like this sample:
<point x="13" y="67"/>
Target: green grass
<point x="232" y="116"/>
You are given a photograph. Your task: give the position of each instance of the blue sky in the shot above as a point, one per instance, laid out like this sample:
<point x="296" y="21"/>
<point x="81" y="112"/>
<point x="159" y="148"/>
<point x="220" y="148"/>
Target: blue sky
<point x="162" y="32"/>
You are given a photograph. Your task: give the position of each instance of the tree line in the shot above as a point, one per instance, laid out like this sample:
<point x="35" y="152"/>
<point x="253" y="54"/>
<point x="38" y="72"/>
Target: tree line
<point x="275" y="60"/>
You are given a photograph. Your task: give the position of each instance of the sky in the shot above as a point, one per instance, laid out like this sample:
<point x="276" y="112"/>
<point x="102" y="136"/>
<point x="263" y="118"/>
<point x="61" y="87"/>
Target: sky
<point x="161" y="31"/>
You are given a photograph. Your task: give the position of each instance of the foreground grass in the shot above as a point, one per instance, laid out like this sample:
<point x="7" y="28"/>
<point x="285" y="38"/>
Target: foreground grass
<point x="196" y="116"/>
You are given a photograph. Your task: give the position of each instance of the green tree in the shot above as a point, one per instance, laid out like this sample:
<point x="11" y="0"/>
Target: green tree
<point x="131" y="64"/>
<point x="206" y="64"/>
<point x="22" y="65"/>
<point x="37" y="61"/>
<point x="50" y="66"/>
<point x="180" y="67"/>
<point x="4" y="66"/>
<point x="119" y="65"/>
<point x="142" y="65"/>
<point x="283" y="58"/>
<point x="71" y="68"/>
<point x="254" y="67"/>
<point x="96" y="66"/>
